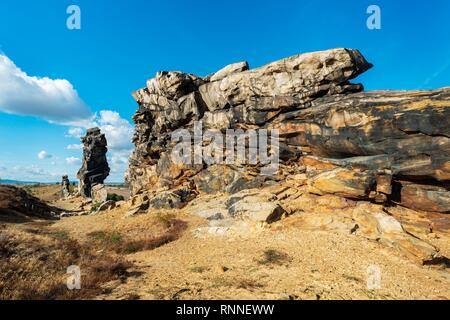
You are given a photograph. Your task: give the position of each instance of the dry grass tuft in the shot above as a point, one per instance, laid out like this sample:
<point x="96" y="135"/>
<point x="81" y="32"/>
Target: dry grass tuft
<point x="33" y="266"/>
<point x="114" y="241"/>
<point x="274" y="257"/>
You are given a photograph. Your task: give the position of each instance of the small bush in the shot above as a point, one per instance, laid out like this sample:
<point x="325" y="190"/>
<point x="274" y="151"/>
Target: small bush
<point x="115" y="197"/>
<point x="95" y="206"/>
<point x="274" y="257"/>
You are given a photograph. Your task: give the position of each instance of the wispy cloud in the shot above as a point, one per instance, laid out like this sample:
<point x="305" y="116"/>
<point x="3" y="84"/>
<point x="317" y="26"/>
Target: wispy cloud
<point x="74" y="146"/>
<point x="73" y="161"/>
<point x="435" y="75"/>
<point x="44" y="155"/>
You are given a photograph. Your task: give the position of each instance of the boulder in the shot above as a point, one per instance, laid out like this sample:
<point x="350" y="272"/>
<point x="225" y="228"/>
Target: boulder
<point x="99" y="193"/>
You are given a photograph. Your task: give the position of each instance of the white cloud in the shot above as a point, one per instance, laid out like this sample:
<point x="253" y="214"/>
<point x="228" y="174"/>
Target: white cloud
<point x="73" y="161"/>
<point x="44" y="155"/>
<point x="74" y="146"/>
<point x="54" y="100"/>
<point x="117" y="130"/>
<point x="75" y="133"/>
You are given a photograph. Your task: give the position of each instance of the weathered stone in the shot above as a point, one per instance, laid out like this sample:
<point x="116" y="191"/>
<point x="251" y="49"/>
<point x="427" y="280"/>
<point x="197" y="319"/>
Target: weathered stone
<point x="425" y="197"/>
<point x="139" y="208"/>
<point x="99" y="193"/>
<point x="228" y="70"/>
<point x="107" y="205"/>
<point x="306" y="75"/>
<point x="222" y="178"/>
<point x="343" y="182"/>
<point x="173" y="85"/>
<point x="95" y="167"/>
<point x="166" y="200"/>
<point x="65" y="187"/>
<point x="352" y="143"/>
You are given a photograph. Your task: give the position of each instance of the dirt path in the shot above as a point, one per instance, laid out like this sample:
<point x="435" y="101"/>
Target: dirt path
<point x="301" y="264"/>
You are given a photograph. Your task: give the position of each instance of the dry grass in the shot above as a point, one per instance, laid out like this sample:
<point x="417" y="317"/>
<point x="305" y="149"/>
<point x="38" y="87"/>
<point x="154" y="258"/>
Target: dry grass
<point x="198" y="269"/>
<point x="33" y="266"/>
<point x="114" y="241"/>
<point x="274" y="257"/>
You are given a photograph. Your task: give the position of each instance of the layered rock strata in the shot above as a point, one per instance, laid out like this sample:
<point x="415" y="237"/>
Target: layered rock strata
<point x="382" y="146"/>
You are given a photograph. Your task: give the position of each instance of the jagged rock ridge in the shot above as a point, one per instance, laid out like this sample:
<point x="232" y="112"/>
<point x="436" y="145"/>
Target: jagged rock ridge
<point x="380" y="146"/>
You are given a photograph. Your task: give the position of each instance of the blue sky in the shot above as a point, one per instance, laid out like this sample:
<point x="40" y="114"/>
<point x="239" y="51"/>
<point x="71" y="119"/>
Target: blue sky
<point x="123" y="43"/>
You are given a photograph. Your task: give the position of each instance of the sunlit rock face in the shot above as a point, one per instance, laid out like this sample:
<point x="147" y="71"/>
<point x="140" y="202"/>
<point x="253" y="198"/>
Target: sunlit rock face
<point x="381" y="146"/>
<point x="94" y="169"/>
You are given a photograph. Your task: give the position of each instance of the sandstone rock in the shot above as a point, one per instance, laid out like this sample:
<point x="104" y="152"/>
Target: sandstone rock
<point x="388" y="230"/>
<point x="425" y="197"/>
<point x="139" y="208"/>
<point x="249" y="205"/>
<point x="99" y="193"/>
<point x="343" y="182"/>
<point x="95" y="167"/>
<point x="65" y="187"/>
<point x="107" y="205"/>
<point x="353" y="144"/>
<point x="228" y="70"/>
<point x="222" y="178"/>
<point x="304" y="75"/>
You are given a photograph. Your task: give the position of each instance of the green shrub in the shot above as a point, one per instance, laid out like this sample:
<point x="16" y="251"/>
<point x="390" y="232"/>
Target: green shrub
<point x="95" y="206"/>
<point x="114" y="197"/>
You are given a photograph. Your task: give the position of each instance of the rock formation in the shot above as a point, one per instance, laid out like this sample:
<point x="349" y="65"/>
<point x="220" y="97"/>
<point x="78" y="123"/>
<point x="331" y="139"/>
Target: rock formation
<point x="94" y="169"/>
<point x="65" y="186"/>
<point x="380" y="146"/>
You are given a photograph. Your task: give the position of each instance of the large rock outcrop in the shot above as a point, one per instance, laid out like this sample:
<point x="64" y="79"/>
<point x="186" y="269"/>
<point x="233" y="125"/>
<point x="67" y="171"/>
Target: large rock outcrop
<point x="94" y="169"/>
<point x="379" y="146"/>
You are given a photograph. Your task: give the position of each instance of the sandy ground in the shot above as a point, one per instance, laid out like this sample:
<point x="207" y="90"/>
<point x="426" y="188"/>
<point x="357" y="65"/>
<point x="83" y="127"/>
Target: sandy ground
<point x="314" y="264"/>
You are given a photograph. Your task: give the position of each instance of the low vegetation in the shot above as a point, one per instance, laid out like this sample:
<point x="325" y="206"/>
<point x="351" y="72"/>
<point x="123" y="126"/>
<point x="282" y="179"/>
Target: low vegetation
<point x="114" y="241"/>
<point x="95" y="206"/>
<point x="274" y="257"/>
<point x="115" y="197"/>
<point x="33" y="264"/>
